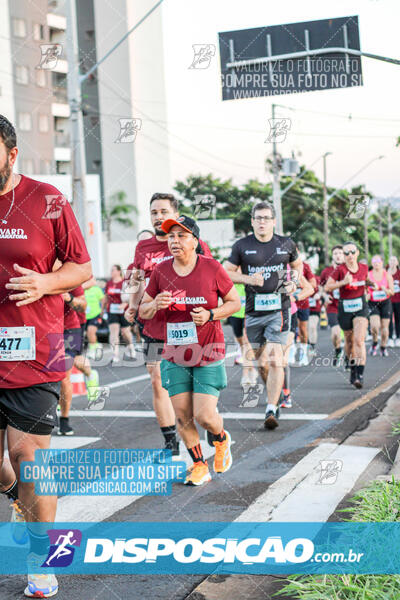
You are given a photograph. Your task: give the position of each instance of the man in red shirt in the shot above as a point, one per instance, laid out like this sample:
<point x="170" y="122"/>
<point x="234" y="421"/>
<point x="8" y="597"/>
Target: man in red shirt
<point x="303" y="306"/>
<point x="332" y="302"/>
<point x="37" y="225"/>
<point x="148" y="254"/>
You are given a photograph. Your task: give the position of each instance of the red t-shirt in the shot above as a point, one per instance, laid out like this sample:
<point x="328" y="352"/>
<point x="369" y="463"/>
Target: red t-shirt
<point x="357" y="288"/>
<point x="334" y="296"/>
<point x="396" y="283"/>
<point x="148" y="254"/>
<point x="113" y="292"/>
<point x="315" y="304"/>
<point x="308" y="274"/>
<point x="72" y="318"/>
<point x="202" y="287"/>
<point x="40" y="228"/>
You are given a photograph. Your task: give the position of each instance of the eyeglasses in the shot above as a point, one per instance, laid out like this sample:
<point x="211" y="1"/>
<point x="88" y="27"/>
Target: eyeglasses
<point x="350" y="252"/>
<point x="261" y="219"/>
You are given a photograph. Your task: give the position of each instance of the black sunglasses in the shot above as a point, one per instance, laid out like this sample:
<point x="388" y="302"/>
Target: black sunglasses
<point x="350" y="252"/>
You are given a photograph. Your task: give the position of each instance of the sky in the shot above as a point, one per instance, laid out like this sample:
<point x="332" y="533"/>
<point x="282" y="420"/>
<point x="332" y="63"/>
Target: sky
<point x="228" y="139"/>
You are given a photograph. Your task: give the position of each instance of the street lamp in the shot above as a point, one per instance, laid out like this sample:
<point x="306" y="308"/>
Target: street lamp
<point x="326" y="223"/>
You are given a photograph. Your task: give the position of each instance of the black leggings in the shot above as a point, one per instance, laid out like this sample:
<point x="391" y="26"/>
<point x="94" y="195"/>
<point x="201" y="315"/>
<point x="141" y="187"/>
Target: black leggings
<point x="396" y="317"/>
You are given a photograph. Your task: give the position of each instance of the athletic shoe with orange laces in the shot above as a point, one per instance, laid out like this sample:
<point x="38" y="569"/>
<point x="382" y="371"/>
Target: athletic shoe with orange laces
<point x="223" y="456"/>
<point x="198" y="474"/>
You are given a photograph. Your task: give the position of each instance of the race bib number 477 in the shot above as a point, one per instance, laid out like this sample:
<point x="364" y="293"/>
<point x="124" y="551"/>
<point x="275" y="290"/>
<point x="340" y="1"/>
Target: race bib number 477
<point x="17" y="343"/>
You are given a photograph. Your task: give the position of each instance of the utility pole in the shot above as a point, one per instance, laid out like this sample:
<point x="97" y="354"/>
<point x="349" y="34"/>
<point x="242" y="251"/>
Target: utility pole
<point x="380" y="230"/>
<point x="326" y="206"/>
<point x="78" y="159"/>
<point x="390" y="229"/>
<point x="276" y="188"/>
<point x="366" y="247"/>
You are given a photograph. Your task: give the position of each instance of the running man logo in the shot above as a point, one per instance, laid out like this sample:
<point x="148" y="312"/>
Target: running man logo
<point x="284" y="277"/>
<point x="329" y="471"/>
<point x="251" y="395"/>
<point x="54" y="206"/>
<point x="50" y="54"/>
<point x="204" y="206"/>
<point x="203" y="54"/>
<point x="128" y="130"/>
<point x="62" y="547"/>
<point x="278" y="130"/>
<point x="97" y="397"/>
<point x="358" y="206"/>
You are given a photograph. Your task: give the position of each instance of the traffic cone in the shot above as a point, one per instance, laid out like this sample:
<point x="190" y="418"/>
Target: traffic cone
<point x="78" y="383"/>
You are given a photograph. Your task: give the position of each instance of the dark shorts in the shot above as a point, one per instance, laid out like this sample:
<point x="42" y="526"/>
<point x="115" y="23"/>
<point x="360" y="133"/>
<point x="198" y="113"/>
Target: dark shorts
<point x="303" y="314"/>
<point x="315" y="313"/>
<point x="346" y="318"/>
<point x="383" y="309"/>
<point x="73" y="339"/>
<point x="293" y="323"/>
<point x="96" y="321"/>
<point x="333" y="319"/>
<point x="31" y="409"/>
<point x="273" y="328"/>
<point x="83" y="329"/>
<point x="237" y="325"/>
<point x="120" y="319"/>
<point x="152" y="347"/>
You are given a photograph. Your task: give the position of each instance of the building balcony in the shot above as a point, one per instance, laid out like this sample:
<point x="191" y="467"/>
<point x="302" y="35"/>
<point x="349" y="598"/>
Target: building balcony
<point x="56" y="21"/>
<point x="62" y="154"/>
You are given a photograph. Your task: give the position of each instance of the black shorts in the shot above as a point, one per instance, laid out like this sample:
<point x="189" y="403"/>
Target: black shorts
<point x="152" y="347"/>
<point x="346" y="318"/>
<point x="383" y="309"/>
<point x="96" y="321"/>
<point x="333" y="319"/>
<point x="316" y="313"/>
<point x="293" y="323"/>
<point x="116" y="318"/>
<point x="83" y="329"/>
<point x="237" y="324"/>
<point x="303" y="314"/>
<point x="30" y="409"/>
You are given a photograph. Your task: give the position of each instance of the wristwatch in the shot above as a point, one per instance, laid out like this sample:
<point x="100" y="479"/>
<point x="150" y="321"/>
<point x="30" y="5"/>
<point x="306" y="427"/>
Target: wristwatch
<point x="211" y="314"/>
<point x="71" y="300"/>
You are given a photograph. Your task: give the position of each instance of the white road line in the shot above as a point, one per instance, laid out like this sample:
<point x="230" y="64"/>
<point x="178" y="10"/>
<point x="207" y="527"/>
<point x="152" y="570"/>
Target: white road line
<point x="147" y="414"/>
<point x="64" y="442"/>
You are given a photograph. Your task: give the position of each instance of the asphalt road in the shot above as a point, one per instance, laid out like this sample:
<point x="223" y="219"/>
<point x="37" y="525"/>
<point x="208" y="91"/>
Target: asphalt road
<point x="260" y="457"/>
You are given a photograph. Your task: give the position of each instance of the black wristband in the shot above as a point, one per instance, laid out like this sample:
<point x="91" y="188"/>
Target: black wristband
<point x="211" y="314"/>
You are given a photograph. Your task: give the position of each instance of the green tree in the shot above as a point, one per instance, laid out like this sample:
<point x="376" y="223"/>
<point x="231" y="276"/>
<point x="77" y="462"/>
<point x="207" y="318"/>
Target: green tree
<point x="118" y="211"/>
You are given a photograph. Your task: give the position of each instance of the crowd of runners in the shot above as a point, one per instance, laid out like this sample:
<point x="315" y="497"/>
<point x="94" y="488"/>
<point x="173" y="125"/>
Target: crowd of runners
<point x="174" y="297"/>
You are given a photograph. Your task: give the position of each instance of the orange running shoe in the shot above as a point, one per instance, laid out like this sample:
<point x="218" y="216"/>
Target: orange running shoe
<point x="198" y="474"/>
<point x="223" y="456"/>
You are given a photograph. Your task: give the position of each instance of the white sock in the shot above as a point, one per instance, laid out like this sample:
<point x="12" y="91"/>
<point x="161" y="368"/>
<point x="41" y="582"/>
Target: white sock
<point x="271" y="407"/>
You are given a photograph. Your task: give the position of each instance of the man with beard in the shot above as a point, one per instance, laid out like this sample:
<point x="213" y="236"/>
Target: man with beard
<point x="37" y="226"/>
<point x="148" y="254"/>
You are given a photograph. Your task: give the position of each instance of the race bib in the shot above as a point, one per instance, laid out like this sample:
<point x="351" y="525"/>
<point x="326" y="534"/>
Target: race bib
<point x="114" y="291"/>
<point x="396" y="287"/>
<point x="179" y="334"/>
<point x="17" y="343"/>
<point x="267" y="302"/>
<point x="243" y="301"/>
<point x="336" y="294"/>
<point x="378" y="295"/>
<point x="354" y="305"/>
<point x="312" y="302"/>
<point x="116" y="309"/>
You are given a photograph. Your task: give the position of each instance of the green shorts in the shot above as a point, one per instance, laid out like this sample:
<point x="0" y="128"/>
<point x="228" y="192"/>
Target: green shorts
<point x="209" y="379"/>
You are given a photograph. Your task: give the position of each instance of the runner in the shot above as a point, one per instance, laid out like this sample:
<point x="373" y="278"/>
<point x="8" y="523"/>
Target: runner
<point x="394" y="271"/>
<point x="148" y="254"/>
<point x="303" y="315"/>
<point x="315" y="311"/>
<point x="94" y="314"/>
<point x="380" y="306"/>
<point x="115" y="309"/>
<point x="186" y="291"/>
<point x="332" y="303"/>
<point x="263" y="257"/>
<point x="351" y="279"/>
<point x="37" y="226"/>
<point x="236" y="321"/>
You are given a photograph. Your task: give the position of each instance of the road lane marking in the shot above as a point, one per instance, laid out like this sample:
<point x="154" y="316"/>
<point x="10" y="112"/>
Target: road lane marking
<point x="147" y="414"/>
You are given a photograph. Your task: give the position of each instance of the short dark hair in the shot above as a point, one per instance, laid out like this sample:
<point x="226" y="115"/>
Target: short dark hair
<point x="261" y="206"/>
<point x="7" y="133"/>
<point x="162" y="196"/>
<point x="350" y="242"/>
<point x="337" y="247"/>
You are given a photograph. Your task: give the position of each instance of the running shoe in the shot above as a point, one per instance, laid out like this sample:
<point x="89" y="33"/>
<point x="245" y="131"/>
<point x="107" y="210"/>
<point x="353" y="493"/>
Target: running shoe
<point x="384" y="352"/>
<point x="198" y="474"/>
<point x="41" y="585"/>
<point x="373" y="351"/>
<point x="271" y="419"/>
<point x="337" y="358"/>
<point x="286" y="401"/>
<point x="246" y="380"/>
<point x="18" y="531"/>
<point x="391" y="343"/>
<point x="223" y="456"/>
<point x="358" y="383"/>
<point x="65" y="428"/>
<point x="397" y="343"/>
<point x="238" y="360"/>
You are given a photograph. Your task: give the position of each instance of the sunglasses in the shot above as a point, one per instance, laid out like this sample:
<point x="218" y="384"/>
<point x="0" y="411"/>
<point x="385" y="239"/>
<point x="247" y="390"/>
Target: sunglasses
<point x="350" y="252"/>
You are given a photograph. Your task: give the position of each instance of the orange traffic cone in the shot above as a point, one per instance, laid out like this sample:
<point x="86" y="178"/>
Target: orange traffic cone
<point x="78" y="383"/>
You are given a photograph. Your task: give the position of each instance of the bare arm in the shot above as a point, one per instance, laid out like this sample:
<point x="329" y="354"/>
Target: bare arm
<point x="331" y="284"/>
<point x="230" y="304"/>
<point x="149" y="306"/>
<point x="237" y="276"/>
<point x="78" y="303"/>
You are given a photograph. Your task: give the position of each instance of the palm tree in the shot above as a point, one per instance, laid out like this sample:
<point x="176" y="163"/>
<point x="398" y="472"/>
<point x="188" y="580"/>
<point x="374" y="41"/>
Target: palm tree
<point x="118" y="211"/>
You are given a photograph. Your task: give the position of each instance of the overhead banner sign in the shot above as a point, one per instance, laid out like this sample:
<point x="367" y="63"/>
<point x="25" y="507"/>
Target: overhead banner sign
<point x="290" y="59"/>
